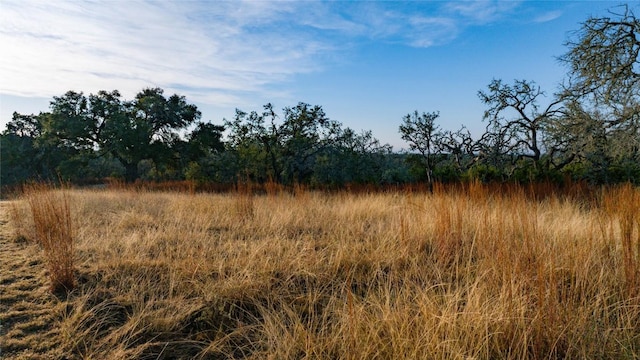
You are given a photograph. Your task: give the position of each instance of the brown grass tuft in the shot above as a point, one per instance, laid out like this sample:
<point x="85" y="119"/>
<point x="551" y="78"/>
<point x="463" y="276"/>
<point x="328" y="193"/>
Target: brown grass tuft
<point x="623" y="203"/>
<point x="244" y="202"/>
<point x="51" y="214"/>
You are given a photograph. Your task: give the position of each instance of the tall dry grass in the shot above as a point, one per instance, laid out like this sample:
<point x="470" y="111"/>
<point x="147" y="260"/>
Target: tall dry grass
<point x="623" y="204"/>
<point x="476" y="273"/>
<point x="50" y="226"/>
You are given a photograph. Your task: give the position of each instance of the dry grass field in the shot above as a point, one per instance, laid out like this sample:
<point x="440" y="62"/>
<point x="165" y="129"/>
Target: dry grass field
<point x="475" y="273"/>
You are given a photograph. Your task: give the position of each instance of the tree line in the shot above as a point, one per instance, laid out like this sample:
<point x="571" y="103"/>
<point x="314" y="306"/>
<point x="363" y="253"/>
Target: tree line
<point x="589" y="130"/>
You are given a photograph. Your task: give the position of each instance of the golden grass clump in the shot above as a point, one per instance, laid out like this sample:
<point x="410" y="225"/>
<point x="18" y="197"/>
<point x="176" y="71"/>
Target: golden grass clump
<point x="469" y="273"/>
<point x="623" y="204"/>
<point x="244" y="203"/>
<point x="51" y="214"/>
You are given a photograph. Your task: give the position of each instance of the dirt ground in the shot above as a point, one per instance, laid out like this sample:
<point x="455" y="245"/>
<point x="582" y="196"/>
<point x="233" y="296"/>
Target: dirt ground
<point x="28" y="310"/>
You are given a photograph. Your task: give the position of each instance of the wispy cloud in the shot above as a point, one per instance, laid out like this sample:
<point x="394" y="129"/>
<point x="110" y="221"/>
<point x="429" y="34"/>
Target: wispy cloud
<point x="483" y="11"/>
<point x="548" y="16"/>
<point x="214" y="52"/>
<point x="219" y="48"/>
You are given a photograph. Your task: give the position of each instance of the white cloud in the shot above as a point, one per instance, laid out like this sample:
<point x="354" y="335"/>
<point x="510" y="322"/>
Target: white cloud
<point x="429" y="31"/>
<point x="212" y="51"/>
<point x="483" y="11"/>
<point x="51" y="47"/>
<point x="548" y="16"/>
<point x="426" y="24"/>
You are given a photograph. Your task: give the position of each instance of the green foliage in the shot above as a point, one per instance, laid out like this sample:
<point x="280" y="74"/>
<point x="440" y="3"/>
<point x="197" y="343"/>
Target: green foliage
<point x="423" y="135"/>
<point x="205" y="139"/>
<point x="80" y="132"/>
<point x="194" y="172"/>
<point x="447" y="172"/>
<point x="306" y="147"/>
<point x="303" y="135"/>
<point x="17" y="163"/>
<point x="417" y="169"/>
<point x="484" y="173"/>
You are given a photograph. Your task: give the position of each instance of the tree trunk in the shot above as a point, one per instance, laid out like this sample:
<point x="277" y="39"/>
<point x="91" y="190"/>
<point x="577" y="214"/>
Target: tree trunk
<point x="429" y="172"/>
<point x="430" y="179"/>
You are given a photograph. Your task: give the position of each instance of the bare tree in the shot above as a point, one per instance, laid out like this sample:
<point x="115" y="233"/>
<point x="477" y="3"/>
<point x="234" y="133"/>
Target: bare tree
<point x="603" y="87"/>
<point x="603" y="56"/>
<point x="517" y="122"/>
<point x="460" y="146"/>
<point x="423" y="135"/>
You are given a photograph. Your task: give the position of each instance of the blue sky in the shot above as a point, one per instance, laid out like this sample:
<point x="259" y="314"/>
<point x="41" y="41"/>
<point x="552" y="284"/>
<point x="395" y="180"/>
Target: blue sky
<point x="368" y="63"/>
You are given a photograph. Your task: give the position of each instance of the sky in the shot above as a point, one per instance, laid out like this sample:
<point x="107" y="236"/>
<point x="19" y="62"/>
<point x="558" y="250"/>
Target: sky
<point x="367" y="63"/>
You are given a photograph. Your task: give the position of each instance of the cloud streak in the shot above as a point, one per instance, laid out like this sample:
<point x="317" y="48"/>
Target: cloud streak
<point x="483" y="11"/>
<point x="548" y="16"/>
<point x="56" y="46"/>
<point x="214" y="52"/>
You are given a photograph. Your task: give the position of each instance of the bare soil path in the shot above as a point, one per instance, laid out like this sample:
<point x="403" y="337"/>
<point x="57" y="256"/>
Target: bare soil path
<point x="28" y="310"/>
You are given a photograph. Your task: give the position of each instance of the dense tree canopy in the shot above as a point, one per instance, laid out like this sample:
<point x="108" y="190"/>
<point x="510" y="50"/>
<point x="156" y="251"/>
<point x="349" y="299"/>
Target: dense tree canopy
<point x="304" y="146"/>
<point x="79" y="130"/>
